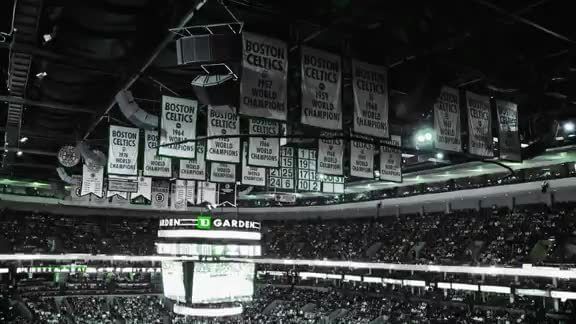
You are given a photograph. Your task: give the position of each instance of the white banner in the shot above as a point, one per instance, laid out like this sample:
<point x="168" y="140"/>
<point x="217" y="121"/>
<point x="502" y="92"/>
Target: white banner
<point x="160" y="194"/>
<point x="178" y="195"/>
<point x="154" y="164"/>
<point x="123" y="150"/>
<point x="447" y="120"/>
<point x="362" y="159"/>
<point x="223" y="120"/>
<point x="194" y="169"/>
<point x="264" y="151"/>
<point x="92" y="180"/>
<point x="370" y="85"/>
<point x="509" y="137"/>
<point x="391" y="160"/>
<point x="479" y="125"/>
<point x="207" y="193"/>
<point x="118" y="196"/>
<point x="264" y="77"/>
<point x="222" y="172"/>
<point x="178" y="123"/>
<point x="321" y="89"/>
<point x="191" y="192"/>
<point x="330" y="155"/>
<point x="253" y="176"/>
<point x="144" y="188"/>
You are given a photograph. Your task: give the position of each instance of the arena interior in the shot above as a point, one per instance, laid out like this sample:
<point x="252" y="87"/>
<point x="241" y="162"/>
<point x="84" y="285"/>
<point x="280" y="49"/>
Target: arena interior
<point x="268" y="161"/>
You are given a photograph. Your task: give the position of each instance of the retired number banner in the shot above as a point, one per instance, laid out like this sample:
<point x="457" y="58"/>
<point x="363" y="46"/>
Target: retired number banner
<point x="194" y="169"/>
<point x="362" y="159"/>
<point x="509" y="139"/>
<point x="330" y="155"/>
<point x="479" y="125"/>
<point x="178" y="123"/>
<point x="123" y="150"/>
<point x="391" y="160"/>
<point x="264" y="151"/>
<point x="223" y="120"/>
<point x="370" y="84"/>
<point x="253" y="176"/>
<point x="264" y="77"/>
<point x="154" y="164"/>
<point x="321" y="89"/>
<point x="447" y="120"/>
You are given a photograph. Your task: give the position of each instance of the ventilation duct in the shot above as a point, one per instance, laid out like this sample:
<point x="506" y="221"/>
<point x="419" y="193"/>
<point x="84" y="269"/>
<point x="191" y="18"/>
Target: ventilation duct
<point x="96" y="157"/>
<point x="136" y="115"/>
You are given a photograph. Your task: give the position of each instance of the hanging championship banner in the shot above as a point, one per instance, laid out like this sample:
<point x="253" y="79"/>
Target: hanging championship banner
<point x="227" y="195"/>
<point x="223" y="120"/>
<point x="447" y="120"/>
<point x="100" y="201"/>
<point x="362" y="159"/>
<point x="391" y="160"/>
<point x="509" y="136"/>
<point x="264" y="151"/>
<point x="191" y="192"/>
<point x="479" y="125"/>
<point x="123" y="150"/>
<point x="178" y="123"/>
<point x="92" y="180"/>
<point x="252" y="176"/>
<point x="264" y="77"/>
<point x="194" y="169"/>
<point x="330" y="155"/>
<point x="222" y="172"/>
<point x="207" y="193"/>
<point x="370" y="85"/>
<point x="154" y="164"/>
<point x="160" y="193"/>
<point x="178" y="197"/>
<point x="144" y="188"/>
<point x="321" y="89"/>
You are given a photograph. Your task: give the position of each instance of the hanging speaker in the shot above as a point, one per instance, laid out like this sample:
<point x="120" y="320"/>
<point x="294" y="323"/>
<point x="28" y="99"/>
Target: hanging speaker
<point x="211" y="48"/>
<point x="216" y="90"/>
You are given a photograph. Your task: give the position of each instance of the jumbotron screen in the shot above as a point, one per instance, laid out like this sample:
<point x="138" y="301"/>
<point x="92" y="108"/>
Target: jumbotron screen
<point x="222" y="282"/>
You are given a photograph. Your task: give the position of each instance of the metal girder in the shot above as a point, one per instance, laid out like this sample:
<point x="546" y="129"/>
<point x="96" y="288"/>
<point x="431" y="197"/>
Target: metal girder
<point x="515" y="16"/>
<point x="25" y="21"/>
<point x="47" y="104"/>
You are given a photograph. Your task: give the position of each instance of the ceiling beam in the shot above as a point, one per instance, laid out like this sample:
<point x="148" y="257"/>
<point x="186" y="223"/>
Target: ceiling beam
<point x="47" y="104"/>
<point x="515" y="16"/>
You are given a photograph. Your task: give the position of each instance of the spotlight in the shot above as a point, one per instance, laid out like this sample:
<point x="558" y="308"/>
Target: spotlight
<point x="19" y="153"/>
<point x="428" y="136"/>
<point x="568" y="127"/>
<point x="420" y="138"/>
<point x="47" y="38"/>
<point x="41" y="75"/>
<point x="439" y="156"/>
<point x="24" y="139"/>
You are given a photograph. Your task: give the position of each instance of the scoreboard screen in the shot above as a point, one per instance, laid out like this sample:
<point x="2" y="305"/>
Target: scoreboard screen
<point x="222" y="282"/>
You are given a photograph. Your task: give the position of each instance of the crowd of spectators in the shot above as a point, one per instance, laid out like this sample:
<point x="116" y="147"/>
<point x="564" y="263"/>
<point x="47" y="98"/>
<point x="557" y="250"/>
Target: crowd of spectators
<point x="271" y="304"/>
<point x="532" y="234"/>
<point x="490" y="236"/>
<point x="44" y="233"/>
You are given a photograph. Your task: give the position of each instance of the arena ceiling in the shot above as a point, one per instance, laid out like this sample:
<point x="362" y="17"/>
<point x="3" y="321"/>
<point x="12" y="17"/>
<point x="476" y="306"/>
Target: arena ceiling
<point x="62" y="61"/>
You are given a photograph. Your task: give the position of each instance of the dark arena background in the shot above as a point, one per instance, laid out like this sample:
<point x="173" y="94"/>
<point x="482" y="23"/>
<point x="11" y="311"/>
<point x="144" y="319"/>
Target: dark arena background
<point x="267" y="161"/>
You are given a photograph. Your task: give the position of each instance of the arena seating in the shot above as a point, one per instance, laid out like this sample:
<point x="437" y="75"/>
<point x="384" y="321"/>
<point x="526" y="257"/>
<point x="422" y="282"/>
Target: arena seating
<point x="279" y="304"/>
<point x="529" y="234"/>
